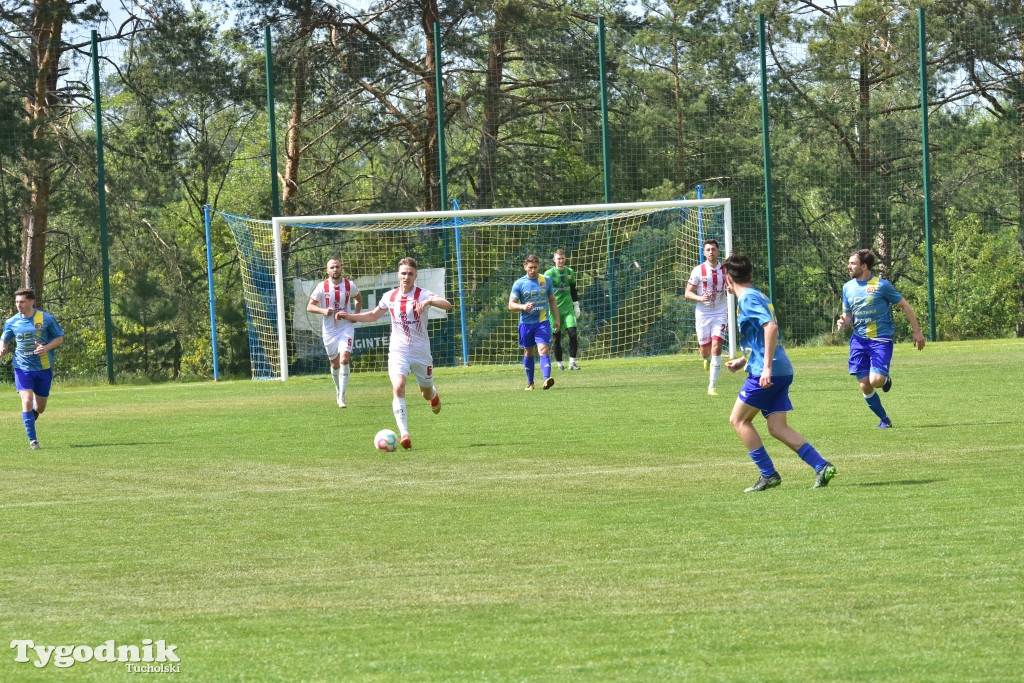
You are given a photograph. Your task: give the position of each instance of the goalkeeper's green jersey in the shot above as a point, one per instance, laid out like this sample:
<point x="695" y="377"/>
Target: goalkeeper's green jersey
<point x="562" y="281"/>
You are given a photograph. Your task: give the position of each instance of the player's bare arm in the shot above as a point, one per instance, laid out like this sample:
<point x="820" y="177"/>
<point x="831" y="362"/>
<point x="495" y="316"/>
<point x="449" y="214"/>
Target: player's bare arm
<point x="436" y="301"/>
<point x="909" y="312"/>
<point x="736" y="363"/>
<point x="358" y="298"/>
<point x="516" y="306"/>
<point x="44" y="348"/>
<point x="844" y="320"/>
<point x="771" y="341"/>
<point x="312" y="307"/>
<point x="554" y="313"/>
<point x="365" y="317"/>
<point x="691" y="294"/>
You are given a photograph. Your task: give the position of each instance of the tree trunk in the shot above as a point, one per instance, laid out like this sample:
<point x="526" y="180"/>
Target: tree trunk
<point x="489" y="129"/>
<point x="862" y="209"/>
<point x="1019" y="173"/>
<point x="47" y="27"/>
<point x="428" y="135"/>
<point x="677" y="97"/>
<point x="293" y="153"/>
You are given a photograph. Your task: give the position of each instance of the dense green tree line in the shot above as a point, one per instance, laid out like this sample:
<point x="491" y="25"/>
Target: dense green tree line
<point x="185" y="119"/>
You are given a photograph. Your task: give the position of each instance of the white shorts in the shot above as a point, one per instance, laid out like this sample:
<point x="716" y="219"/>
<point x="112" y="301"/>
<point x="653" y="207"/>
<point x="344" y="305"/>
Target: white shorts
<point x="338" y="340"/>
<point x="421" y="368"/>
<point x="709" y="326"/>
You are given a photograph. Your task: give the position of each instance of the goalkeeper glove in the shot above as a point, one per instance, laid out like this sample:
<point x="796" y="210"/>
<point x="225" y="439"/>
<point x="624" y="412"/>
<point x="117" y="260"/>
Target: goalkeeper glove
<point x="576" y="308"/>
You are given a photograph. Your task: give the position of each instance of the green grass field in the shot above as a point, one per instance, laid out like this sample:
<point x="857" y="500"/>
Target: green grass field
<point x="597" y="531"/>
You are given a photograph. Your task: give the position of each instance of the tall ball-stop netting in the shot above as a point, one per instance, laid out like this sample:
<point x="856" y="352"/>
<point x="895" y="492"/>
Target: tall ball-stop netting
<point x="631" y="262"/>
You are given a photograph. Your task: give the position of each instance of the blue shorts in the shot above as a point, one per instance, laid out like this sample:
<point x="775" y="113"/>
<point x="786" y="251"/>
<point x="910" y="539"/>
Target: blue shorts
<point x="773" y="399"/>
<point x="869" y="355"/>
<point x="535" y="333"/>
<point x="38" y="381"/>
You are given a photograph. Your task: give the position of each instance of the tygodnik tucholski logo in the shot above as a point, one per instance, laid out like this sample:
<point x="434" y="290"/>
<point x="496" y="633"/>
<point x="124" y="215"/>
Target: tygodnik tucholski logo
<point x="150" y="657"/>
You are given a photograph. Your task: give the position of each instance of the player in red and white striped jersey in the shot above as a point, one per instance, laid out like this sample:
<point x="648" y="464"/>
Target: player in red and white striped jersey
<point x="409" y="349"/>
<point x="706" y="287"/>
<point x="335" y="295"/>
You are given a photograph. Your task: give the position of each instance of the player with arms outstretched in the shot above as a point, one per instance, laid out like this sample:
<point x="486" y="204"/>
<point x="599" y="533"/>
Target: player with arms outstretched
<point x="35" y="335"/>
<point x="867" y="304"/>
<point x="331" y="297"/>
<point x="770" y="374"/>
<point x="534" y="297"/>
<point x="567" y="298"/>
<point x="706" y="287"/>
<point x="409" y="348"/>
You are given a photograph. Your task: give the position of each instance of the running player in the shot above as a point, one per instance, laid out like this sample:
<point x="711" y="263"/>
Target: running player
<point x="766" y="389"/>
<point x="706" y="287"/>
<point x="331" y="297"/>
<point x="409" y="348"/>
<point x="867" y="304"/>
<point x="35" y="335"/>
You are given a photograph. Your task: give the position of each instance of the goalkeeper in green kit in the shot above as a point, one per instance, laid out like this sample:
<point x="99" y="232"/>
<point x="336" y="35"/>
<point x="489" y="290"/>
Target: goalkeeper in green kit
<point x="563" y="278"/>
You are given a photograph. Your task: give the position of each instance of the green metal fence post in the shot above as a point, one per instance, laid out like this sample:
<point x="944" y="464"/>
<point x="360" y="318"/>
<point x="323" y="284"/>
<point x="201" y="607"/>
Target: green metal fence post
<point x="442" y="186"/>
<point x="108" y="324"/>
<point x="275" y="198"/>
<point x="922" y="48"/>
<point x="442" y="157"/>
<point x="605" y="143"/>
<point x="765" y="141"/>
<point x="606" y="162"/>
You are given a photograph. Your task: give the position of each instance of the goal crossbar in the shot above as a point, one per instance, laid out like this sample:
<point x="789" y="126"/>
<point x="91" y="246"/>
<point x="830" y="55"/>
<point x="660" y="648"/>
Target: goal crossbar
<point x="622" y="248"/>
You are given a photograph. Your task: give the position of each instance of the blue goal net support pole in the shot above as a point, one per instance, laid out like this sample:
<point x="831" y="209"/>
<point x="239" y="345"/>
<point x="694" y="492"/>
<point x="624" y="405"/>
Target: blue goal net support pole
<point x="213" y="300"/>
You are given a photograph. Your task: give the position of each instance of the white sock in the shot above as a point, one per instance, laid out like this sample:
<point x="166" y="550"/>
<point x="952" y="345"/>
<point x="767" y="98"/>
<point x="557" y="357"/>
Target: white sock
<point x="334" y="376"/>
<point x="346" y="370"/>
<point x="398" y="408"/>
<point x="716" y="368"/>
<point x="572" y="361"/>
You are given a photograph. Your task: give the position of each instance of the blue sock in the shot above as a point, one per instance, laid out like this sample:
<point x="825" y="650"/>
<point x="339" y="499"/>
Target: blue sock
<point x="763" y="461"/>
<point x="528" y="364"/>
<point x="875" y="403"/>
<point x="811" y="456"/>
<point x="545" y="366"/>
<point x="30" y="424"/>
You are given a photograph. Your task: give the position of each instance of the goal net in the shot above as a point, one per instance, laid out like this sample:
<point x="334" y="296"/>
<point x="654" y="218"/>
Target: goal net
<point x="631" y="261"/>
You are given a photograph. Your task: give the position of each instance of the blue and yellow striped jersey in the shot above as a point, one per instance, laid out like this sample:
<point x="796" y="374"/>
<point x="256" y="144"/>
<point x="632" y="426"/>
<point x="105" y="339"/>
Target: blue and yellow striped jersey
<point x="871" y="303"/>
<point x="537" y="291"/>
<point x="25" y="332"/>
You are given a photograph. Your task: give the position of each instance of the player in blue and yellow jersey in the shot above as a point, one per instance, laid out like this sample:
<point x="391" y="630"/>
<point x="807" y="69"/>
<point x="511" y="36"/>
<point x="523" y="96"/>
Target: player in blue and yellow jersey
<point x="770" y="374"/>
<point x="867" y="304"/>
<point x="534" y="297"/>
<point x="35" y="335"/>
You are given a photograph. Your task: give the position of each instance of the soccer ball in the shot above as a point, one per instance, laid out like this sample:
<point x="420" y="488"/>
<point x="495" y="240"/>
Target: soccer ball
<point x="386" y="440"/>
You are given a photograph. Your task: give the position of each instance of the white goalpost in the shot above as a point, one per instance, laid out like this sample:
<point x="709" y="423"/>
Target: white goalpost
<point x="632" y="261"/>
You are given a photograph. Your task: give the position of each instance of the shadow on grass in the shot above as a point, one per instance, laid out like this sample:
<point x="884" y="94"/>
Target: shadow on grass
<point x="901" y="482"/>
<point x="120" y="443"/>
<point x="976" y="423"/>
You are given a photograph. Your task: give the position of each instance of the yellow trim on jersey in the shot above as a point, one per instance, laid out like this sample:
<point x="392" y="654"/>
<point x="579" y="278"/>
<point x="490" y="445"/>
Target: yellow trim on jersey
<point x="542" y="282"/>
<point x="37" y="322"/>
<point x="870" y="287"/>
